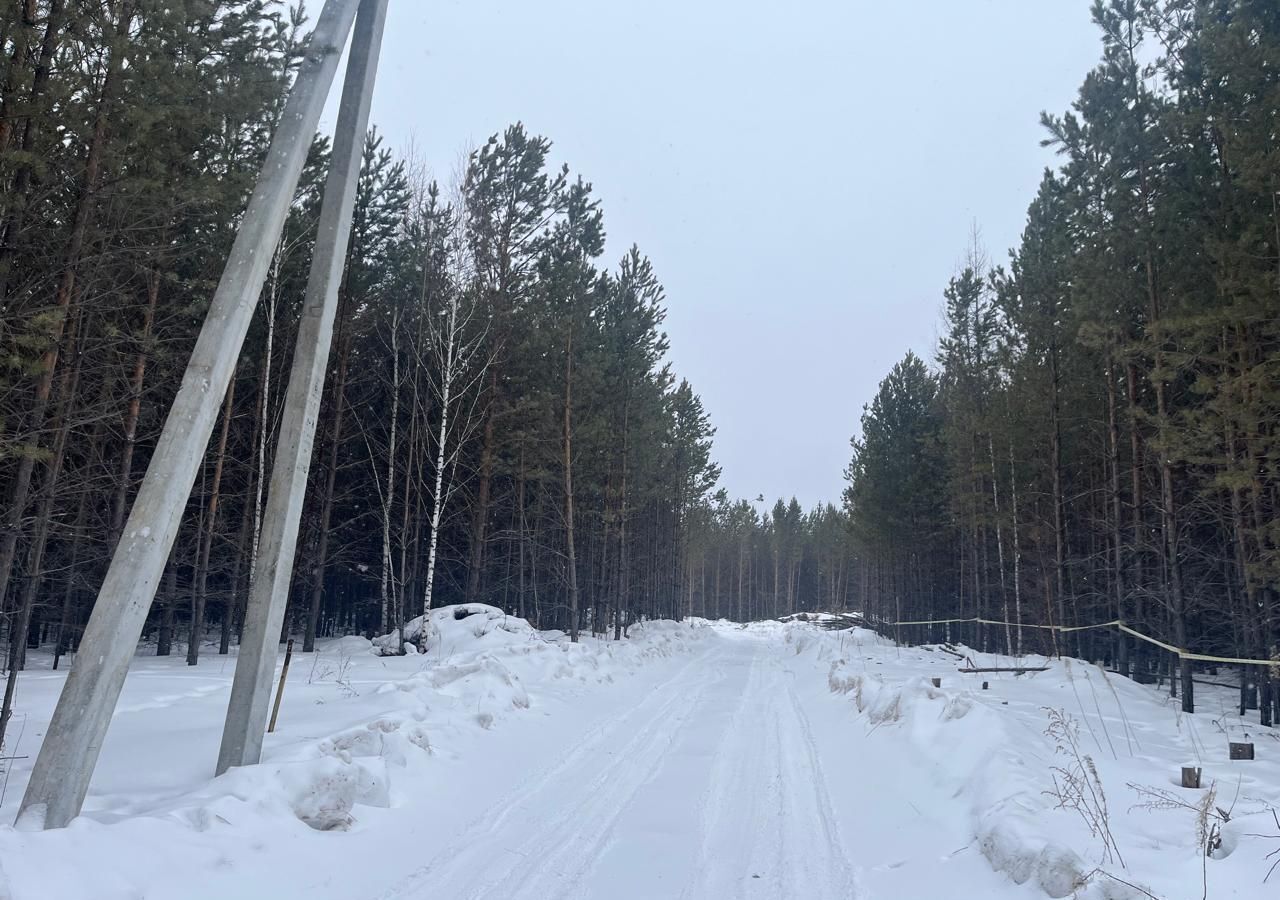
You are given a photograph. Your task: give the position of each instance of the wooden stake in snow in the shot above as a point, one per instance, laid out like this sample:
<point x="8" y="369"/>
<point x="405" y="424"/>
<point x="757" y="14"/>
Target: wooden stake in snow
<point x="1240" y="749"/>
<point x="284" y="673"/>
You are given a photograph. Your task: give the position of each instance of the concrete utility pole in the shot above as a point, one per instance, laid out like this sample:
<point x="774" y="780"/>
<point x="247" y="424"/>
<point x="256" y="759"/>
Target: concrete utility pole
<point x="74" y="738"/>
<point x="269" y="593"/>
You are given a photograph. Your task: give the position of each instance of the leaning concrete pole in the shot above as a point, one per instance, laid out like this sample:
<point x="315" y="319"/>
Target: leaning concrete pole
<point x="269" y="592"/>
<point x="67" y="757"/>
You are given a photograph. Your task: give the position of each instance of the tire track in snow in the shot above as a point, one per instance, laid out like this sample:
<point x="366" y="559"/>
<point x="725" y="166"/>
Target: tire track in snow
<point x="769" y="829"/>
<point x="740" y="816"/>
<point x="834" y="860"/>
<point x="555" y="852"/>
<point x="789" y="864"/>
<point x="472" y="852"/>
<point x="569" y="862"/>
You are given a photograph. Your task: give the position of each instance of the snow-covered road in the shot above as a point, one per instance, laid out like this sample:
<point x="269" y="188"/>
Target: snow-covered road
<point x="693" y="761"/>
<point x="710" y="786"/>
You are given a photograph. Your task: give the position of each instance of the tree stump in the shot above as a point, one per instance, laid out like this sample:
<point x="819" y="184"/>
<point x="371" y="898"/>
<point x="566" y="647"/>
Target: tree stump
<point x="1191" y="776"/>
<point x="1241" y="749"/>
<point x="937" y="682"/>
<point x="985" y="685"/>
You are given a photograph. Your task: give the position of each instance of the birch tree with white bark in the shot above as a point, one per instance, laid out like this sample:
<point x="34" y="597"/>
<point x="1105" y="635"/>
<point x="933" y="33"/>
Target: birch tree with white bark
<point x="448" y="355"/>
<point x="457" y="356"/>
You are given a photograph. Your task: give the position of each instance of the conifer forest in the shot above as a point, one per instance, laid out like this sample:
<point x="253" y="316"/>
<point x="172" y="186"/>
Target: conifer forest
<point x="1103" y="405"/>
<point x="493" y="378"/>
<point x="1093" y="439"/>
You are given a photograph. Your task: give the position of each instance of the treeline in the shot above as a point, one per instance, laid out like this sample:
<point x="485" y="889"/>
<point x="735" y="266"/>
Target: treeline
<point x="499" y="422"/>
<point x="1098" y="439"/>
<point x="747" y="566"/>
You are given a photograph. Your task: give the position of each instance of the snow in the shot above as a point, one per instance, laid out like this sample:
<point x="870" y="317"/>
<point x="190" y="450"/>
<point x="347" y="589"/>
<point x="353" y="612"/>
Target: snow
<point x="690" y="760"/>
<point x="992" y="752"/>
<point x="471" y="625"/>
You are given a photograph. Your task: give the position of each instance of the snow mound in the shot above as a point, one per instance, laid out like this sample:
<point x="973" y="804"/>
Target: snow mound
<point x="461" y="627"/>
<point x="803" y="636"/>
<point x="968" y="748"/>
<point x="351" y="645"/>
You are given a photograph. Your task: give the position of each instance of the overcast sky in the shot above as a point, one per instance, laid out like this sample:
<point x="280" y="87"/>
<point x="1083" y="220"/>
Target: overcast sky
<point x="803" y="173"/>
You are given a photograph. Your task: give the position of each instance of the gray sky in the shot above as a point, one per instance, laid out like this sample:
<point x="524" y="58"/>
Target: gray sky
<point x="803" y="174"/>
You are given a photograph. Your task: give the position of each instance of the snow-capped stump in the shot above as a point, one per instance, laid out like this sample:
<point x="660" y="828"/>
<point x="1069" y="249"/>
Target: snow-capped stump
<point x="1191" y="776"/>
<point x="1240" y="749"/>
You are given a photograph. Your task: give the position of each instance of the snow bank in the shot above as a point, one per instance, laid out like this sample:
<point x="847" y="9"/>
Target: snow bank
<point x="971" y="751"/>
<point x="478" y="657"/>
<point x="965" y="746"/>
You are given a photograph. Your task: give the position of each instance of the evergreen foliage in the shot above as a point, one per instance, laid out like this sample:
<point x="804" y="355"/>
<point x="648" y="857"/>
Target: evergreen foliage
<point x="1108" y="415"/>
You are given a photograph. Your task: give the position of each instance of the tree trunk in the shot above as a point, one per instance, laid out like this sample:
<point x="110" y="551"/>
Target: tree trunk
<point x="480" y="512"/>
<point x="449" y="373"/>
<point x="133" y="412"/>
<point x="169" y="598"/>
<point x="1059" y="526"/>
<point x="326" y="499"/>
<point x="1169" y="513"/>
<point x="35" y="556"/>
<point x="232" y="606"/>
<point x="1137" y="524"/>
<point x="1017" y="552"/>
<point x="390" y="615"/>
<point x="26" y="25"/>
<point x="1117" y="544"/>
<point x="211" y="528"/>
<point x="1004" y="586"/>
<point x="624" y="546"/>
<point x="520" y="528"/>
<point x="60" y="642"/>
<point x="572" y="560"/>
